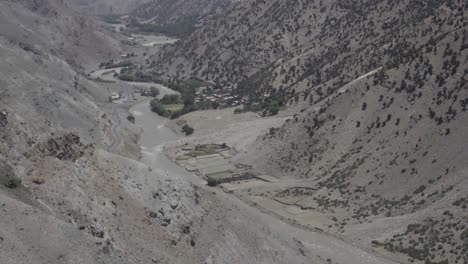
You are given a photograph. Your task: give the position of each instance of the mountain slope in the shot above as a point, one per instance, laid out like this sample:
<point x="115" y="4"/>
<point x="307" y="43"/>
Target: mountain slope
<point x="60" y="190"/>
<point x="50" y="26"/>
<point x="66" y="198"/>
<point x="379" y="94"/>
<point x="298" y="45"/>
<point x="385" y="152"/>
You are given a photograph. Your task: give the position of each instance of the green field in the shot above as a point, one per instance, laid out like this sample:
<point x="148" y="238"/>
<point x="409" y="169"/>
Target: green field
<point x="173" y="107"/>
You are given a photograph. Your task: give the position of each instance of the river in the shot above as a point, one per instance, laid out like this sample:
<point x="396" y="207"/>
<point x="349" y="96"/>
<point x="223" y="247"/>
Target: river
<point x="146" y="40"/>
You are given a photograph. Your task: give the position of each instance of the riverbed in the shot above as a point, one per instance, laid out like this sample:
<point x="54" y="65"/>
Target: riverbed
<point x="155" y="134"/>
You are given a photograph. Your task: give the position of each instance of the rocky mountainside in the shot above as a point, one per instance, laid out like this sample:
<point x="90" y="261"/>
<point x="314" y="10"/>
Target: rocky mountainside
<point x="49" y="120"/>
<point x="60" y="190"/>
<point x="381" y="93"/>
<point x="45" y="46"/>
<point x="54" y="27"/>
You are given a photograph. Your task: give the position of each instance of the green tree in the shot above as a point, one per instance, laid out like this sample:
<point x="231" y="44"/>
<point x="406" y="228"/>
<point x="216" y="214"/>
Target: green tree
<point x="188" y="130"/>
<point x="273" y="107"/>
<point x="170" y="99"/>
<point x="154" y="91"/>
<point x="158" y="108"/>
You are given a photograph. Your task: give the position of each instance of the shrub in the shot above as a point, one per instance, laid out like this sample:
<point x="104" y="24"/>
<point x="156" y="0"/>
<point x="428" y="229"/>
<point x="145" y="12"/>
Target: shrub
<point x="420" y="189"/>
<point x="212" y="182"/>
<point x="11" y="182"/>
<point x="364" y="106"/>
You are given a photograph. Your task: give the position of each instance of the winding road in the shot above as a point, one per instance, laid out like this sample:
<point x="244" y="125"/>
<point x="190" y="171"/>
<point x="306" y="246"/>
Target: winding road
<point x="128" y="97"/>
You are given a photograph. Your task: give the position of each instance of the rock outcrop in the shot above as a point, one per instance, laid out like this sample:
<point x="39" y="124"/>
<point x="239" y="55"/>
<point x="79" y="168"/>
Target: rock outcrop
<point x="66" y="147"/>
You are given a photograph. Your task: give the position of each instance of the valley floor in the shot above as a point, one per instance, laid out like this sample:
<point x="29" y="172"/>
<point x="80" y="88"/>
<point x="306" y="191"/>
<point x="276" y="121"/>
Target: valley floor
<point x="304" y="224"/>
<point x="238" y="204"/>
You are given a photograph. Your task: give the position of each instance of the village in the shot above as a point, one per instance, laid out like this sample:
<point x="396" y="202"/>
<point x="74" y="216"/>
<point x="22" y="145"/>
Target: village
<point x="223" y="98"/>
<point x="206" y="95"/>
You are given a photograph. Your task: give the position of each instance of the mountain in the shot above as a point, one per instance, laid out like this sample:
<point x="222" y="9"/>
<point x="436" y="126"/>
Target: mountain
<point x="279" y="43"/>
<point x="378" y="94"/>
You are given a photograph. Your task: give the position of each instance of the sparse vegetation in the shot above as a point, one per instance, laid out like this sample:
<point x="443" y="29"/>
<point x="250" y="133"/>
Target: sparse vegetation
<point x="429" y="241"/>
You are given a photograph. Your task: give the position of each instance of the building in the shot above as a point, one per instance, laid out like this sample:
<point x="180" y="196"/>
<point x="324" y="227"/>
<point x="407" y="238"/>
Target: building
<point x="115" y="96"/>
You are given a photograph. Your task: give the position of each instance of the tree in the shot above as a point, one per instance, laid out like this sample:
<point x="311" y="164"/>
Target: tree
<point x="154" y="92"/>
<point x="170" y="99"/>
<point x="273" y="107"/>
<point x="131" y="118"/>
<point x="188" y="130"/>
<point x="158" y="108"/>
<point x="189" y="99"/>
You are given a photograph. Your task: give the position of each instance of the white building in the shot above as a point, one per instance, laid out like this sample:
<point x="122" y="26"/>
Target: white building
<point x="115" y="96"/>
